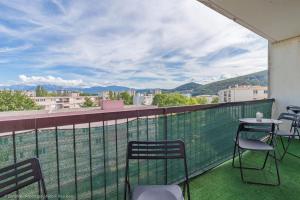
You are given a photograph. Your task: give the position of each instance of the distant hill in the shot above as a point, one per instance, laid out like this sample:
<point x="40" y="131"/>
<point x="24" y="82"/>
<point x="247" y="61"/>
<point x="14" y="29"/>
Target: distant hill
<point x="188" y="87"/>
<point x="91" y="90"/>
<point x="258" y="78"/>
<point x="97" y="89"/>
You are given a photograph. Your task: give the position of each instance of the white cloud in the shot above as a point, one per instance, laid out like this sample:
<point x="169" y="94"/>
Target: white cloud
<point x="128" y="38"/>
<point x="12" y="49"/>
<point x="36" y="80"/>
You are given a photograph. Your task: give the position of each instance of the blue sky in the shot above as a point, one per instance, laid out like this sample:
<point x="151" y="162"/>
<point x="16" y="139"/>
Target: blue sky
<point x="140" y="44"/>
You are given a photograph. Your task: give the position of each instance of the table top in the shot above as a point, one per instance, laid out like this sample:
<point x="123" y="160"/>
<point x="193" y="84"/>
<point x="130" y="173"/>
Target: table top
<point x="263" y="121"/>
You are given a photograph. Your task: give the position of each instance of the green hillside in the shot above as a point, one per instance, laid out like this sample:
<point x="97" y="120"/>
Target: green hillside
<point x="258" y="78"/>
<point x="187" y="87"/>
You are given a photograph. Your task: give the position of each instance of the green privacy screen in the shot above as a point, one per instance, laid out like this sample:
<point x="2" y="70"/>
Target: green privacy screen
<point x="86" y="163"/>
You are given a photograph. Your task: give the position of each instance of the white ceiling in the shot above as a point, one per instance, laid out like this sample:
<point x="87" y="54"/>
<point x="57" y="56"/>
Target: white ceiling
<point x="274" y="20"/>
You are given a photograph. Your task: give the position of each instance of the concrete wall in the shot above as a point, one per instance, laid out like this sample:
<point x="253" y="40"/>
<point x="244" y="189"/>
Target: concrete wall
<point x="284" y="74"/>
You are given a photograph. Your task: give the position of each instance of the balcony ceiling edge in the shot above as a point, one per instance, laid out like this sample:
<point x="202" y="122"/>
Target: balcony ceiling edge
<point x="275" y="20"/>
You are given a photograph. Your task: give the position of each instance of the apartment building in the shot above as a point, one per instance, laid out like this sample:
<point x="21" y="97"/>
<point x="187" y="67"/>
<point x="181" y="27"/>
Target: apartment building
<point x="73" y="100"/>
<point x="142" y="99"/>
<point x="209" y="98"/>
<point x="243" y="93"/>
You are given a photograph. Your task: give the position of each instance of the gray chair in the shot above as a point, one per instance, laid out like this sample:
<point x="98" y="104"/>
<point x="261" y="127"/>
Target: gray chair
<point x="156" y="150"/>
<point x="242" y="144"/>
<point x="20" y="175"/>
<point x="294" y="120"/>
<point x="293" y="109"/>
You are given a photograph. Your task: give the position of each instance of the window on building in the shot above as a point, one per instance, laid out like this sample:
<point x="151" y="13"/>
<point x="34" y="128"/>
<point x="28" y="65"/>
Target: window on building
<point x="255" y="91"/>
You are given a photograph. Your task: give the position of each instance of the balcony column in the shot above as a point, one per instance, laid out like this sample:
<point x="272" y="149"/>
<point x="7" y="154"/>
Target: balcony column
<point x="284" y="73"/>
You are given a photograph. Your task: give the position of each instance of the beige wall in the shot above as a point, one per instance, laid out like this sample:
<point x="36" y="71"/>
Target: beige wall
<point x="284" y="74"/>
<point x="243" y="93"/>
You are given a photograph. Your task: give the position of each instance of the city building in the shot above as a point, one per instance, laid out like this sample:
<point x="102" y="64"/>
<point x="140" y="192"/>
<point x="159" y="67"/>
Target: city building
<point x="131" y="92"/>
<point x="30" y="93"/>
<point x="74" y="100"/>
<point x="142" y="99"/>
<point x="209" y="98"/>
<point x="243" y="93"/>
<point x="157" y="91"/>
<point x="104" y="95"/>
<point x="62" y="92"/>
<point x="111" y="104"/>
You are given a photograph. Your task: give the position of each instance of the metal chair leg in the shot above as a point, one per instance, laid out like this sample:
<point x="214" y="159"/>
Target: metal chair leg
<point x="277" y="170"/>
<point x="259" y="183"/>
<point x="233" y="155"/>
<point x="285" y="148"/>
<point x="250" y="168"/>
<point x="240" y="161"/>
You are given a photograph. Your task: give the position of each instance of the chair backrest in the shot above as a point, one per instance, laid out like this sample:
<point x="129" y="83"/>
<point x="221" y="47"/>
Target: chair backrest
<point x="287" y="116"/>
<point x="294" y="109"/>
<point x="20" y="175"/>
<point x="156" y="150"/>
<point x="291" y="117"/>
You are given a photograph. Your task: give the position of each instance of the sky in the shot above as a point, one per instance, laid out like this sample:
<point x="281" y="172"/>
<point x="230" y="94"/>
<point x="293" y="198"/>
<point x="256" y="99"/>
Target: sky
<point x="133" y="43"/>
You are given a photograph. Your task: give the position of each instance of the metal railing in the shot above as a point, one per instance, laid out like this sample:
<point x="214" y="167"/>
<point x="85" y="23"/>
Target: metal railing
<point x="83" y="153"/>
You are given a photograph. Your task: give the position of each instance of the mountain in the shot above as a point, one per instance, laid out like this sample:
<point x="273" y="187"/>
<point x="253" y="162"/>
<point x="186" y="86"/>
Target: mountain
<point x="97" y="89"/>
<point x="258" y="78"/>
<point x="91" y="90"/>
<point x="188" y="87"/>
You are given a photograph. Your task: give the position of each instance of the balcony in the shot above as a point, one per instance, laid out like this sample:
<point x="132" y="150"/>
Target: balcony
<point x="83" y="154"/>
<point x="224" y="182"/>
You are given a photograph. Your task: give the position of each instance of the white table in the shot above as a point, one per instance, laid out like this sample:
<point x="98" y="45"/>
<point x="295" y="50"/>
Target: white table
<point x="262" y="121"/>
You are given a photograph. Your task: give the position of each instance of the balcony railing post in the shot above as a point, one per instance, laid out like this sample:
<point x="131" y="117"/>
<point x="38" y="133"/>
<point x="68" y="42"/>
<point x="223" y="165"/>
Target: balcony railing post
<point x="57" y="163"/>
<point x="243" y="110"/>
<point x="37" y="151"/>
<point x="166" y="138"/>
<point x="147" y="137"/>
<point x="138" y="139"/>
<point x="117" y="161"/>
<point x="75" y="162"/>
<point x="15" y="157"/>
<point x="90" y="159"/>
<point x="104" y="157"/>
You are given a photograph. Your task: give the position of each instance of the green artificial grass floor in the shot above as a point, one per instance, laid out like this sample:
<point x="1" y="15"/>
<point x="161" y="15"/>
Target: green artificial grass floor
<point x="224" y="182"/>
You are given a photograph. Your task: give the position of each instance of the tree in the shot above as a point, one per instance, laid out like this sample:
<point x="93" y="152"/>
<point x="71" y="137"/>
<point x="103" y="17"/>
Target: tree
<point x="88" y="102"/>
<point x="215" y="100"/>
<point x="159" y="100"/>
<point x="112" y="95"/>
<point x="16" y="101"/>
<point x="172" y="99"/>
<point x="40" y="91"/>
<point x="202" y="100"/>
<point x="127" y="98"/>
<point x="176" y="99"/>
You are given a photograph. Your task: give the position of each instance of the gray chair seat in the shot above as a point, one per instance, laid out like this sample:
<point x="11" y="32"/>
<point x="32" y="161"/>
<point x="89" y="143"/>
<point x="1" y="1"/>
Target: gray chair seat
<point x="284" y="133"/>
<point x="251" y="144"/>
<point x="157" y="192"/>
